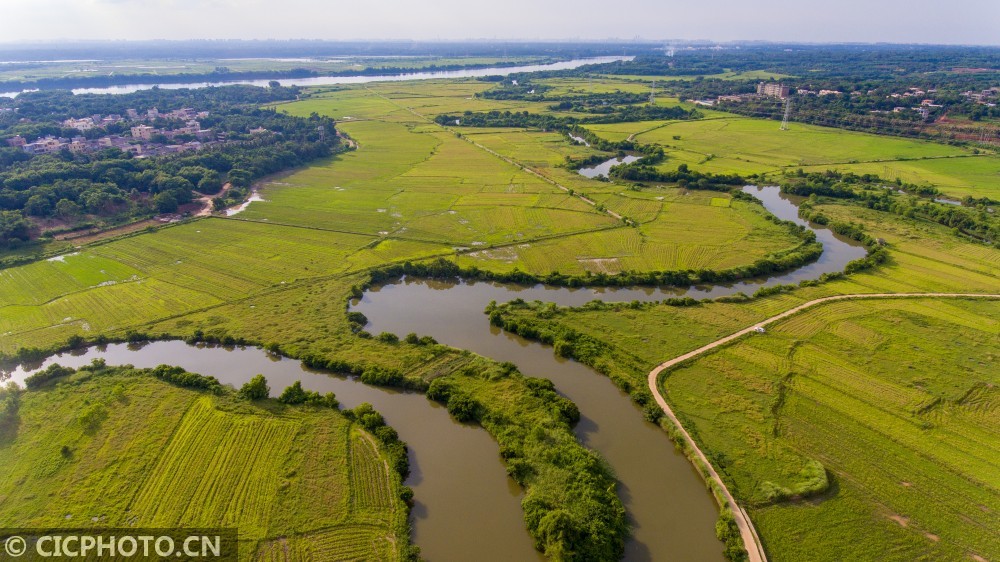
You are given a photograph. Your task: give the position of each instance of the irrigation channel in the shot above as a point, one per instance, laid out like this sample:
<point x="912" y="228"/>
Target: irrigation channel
<point x="466" y="507"/>
<point x="333" y="80"/>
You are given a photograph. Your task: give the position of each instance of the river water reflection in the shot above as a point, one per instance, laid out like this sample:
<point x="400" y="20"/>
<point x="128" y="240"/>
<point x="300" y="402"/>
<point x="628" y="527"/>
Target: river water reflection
<point x="466" y="507"/>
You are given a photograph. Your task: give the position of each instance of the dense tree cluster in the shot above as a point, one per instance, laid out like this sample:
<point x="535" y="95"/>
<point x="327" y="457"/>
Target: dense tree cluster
<point x="549" y="122"/>
<point x="255" y="389"/>
<point x="871" y="79"/>
<point x="367" y="417"/>
<point x="974" y="218"/>
<point x="10" y="402"/>
<point x="81" y="187"/>
<point x="513" y="89"/>
<point x="643" y="170"/>
<point x="295" y="394"/>
<point x="180" y="377"/>
<point x="588" y="525"/>
<point x="825" y="62"/>
<point x="47" y="375"/>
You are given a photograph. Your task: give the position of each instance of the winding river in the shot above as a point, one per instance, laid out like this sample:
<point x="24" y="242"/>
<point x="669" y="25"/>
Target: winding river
<point x="466" y="506"/>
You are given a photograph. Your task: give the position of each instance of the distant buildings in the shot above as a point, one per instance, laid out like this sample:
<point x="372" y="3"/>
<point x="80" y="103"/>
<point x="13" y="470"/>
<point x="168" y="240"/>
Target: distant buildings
<point x="85" y="124"/>
<point x="139" y="143"/>
<point x="45" y="145"/>
<point x="984" y="97"/>
<point x="774" y="90"/>
<point x="92" y="122"/>
<point x="737" y="98"/>
<point x="764" y="89"/>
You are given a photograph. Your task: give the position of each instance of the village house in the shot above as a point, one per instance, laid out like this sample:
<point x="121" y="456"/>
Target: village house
<point x="143" y="132"/>
<point x="84" y="124"/>
<point x="46" y="145"/>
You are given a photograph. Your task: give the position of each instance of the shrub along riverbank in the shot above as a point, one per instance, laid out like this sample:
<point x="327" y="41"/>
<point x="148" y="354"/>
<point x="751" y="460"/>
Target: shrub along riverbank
<point x="974" y="220"/>
<point x="571" y="508"/>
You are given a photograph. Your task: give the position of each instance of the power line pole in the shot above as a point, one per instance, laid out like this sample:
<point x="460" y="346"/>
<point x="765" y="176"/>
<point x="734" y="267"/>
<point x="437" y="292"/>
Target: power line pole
<point x="788" y="111"/>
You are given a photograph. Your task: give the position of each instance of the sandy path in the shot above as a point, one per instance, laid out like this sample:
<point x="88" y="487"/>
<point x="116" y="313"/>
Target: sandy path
<point x="747" y="531"/>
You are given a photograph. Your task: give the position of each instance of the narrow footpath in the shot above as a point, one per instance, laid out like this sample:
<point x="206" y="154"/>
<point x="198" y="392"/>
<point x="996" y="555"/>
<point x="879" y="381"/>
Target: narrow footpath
<point x="748" y="533"/>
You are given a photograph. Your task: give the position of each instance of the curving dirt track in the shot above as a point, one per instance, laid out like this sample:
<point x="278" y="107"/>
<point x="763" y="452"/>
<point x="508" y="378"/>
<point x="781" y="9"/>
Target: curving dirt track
<point x="747" y="531"/>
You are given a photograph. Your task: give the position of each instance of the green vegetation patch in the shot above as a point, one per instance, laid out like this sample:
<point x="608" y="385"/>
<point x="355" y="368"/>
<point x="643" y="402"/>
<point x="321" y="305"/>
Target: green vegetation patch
<point x="911" y="379"/>
<point x="115" y="447"/>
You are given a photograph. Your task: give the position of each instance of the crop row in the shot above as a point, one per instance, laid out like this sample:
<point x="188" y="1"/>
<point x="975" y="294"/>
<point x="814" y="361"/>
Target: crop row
<point x="218" y="469"/>
<point x="370" y="476"/>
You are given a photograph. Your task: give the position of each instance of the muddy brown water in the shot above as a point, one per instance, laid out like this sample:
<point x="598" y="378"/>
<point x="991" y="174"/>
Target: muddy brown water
<point x="672" y="514"/>
<point x="466" y="508"/>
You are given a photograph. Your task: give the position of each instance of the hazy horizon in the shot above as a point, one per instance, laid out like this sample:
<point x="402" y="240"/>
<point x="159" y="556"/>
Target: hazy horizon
<point x="966" y="22"/>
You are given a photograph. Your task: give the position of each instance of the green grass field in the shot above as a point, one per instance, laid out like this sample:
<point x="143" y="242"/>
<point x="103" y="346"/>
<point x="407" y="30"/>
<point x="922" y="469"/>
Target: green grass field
<point x="163" y="456"/>
<point x="280" y="273"/>
<point x="894" y="398"/>
<point x="908" y="378"/>
<point x="761" y="142"/>
<point x="977" y="176"/>
<point x="723" y="143"/>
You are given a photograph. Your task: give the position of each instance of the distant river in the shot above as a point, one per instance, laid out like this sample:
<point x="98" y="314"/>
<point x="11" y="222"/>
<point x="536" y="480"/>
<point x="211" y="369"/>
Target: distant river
<point x="332" y="80"/>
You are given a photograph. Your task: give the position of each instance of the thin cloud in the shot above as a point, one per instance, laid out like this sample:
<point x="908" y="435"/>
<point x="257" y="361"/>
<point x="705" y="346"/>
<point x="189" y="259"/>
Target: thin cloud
<point x="909" y="21"/>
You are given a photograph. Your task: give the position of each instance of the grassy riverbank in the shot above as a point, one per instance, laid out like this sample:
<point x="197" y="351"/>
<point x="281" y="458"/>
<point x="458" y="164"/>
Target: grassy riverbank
<point x="768" y="408"/>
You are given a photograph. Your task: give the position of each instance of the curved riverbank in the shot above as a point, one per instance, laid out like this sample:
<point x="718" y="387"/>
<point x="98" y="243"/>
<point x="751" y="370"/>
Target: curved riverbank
<point x="464" y="502"/>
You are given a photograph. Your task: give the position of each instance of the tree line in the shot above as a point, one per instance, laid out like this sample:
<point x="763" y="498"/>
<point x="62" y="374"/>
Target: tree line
<point x="973" y="219"/>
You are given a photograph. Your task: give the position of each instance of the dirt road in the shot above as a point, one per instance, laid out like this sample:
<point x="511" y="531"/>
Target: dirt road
<point x="747" y="531"/>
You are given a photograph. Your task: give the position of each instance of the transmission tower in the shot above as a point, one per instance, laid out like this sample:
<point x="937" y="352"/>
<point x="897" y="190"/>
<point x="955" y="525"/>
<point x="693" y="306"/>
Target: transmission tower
<point x="788" y="111"/>
<point x="652" y="94"/>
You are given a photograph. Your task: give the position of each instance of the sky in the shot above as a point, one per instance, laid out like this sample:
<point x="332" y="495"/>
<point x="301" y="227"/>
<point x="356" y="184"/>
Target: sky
<point x="892" y="21"/>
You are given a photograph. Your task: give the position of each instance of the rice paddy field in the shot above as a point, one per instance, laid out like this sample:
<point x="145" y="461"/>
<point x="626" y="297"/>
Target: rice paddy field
<point x="975" y="176"/>
<point x="413" y="190"/>
<point x="302" y="479"/>
<point x="723" y="143"/>
<point x="895" y="398"/>
<point x="910" y="379"/>
<point x="759" y="141"/>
